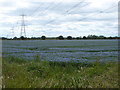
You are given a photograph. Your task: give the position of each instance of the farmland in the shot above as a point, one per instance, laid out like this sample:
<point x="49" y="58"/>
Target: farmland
<point x="63" y="50"/>
<point x="60" y="63"/>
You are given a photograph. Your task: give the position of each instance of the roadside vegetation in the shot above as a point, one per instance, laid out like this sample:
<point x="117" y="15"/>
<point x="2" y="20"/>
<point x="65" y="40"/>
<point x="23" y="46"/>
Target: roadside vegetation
<point x="20" y="73"/>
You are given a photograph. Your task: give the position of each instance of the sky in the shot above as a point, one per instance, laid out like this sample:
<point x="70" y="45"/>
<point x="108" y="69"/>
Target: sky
<point x="53" y="18"/>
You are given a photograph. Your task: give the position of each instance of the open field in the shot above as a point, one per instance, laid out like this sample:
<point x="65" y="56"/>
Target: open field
<point x="63" y="50"/>
<point x="60" y="64"/>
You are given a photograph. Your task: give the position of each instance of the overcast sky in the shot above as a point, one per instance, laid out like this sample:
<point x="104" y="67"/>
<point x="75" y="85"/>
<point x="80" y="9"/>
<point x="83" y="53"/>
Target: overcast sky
<point x="59" y="17"/>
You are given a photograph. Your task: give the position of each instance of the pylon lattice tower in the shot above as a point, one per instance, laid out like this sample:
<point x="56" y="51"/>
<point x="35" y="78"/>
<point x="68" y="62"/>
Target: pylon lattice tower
<point x="12" y="32"/>
<point x="23" y="32"/>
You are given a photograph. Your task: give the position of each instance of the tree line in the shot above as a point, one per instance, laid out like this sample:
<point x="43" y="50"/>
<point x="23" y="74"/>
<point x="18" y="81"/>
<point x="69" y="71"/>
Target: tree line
<point x="61" y="38"/>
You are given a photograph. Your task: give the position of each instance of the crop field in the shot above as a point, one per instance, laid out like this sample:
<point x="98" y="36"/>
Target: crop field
<point x="60" y="64"/>
<point x="63" y="50"/>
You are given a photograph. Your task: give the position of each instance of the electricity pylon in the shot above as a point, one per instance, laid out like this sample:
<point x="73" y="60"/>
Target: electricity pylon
<point x="23" y="32"/>
<point x="12" y="31"/>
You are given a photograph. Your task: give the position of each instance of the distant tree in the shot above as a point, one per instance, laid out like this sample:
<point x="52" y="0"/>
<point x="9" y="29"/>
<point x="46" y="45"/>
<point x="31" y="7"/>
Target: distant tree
<point x="32" y="37"/>
<point x="101" y="37"/>
<point x="80" y="37"/>
<point x="115" y="37"/>
<point x="92" y="37"/>
<point x="4" y="38"/>
<point x="15" y="38"/>
<point x="39" y="38"/>
<point x="84" y="37"/>
<point x="60" y="37"/>
<point x="69" y="37"/>
<point x="105" y="37"/>
<point x="22" y="38"/>
<point x="110" y="37"/>
<point x="77" y="38"/>
<point x="43" y="37"/>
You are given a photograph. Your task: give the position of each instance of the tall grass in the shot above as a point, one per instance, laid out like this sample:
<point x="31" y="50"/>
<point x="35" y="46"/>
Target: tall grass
<point x="20" y="73"/>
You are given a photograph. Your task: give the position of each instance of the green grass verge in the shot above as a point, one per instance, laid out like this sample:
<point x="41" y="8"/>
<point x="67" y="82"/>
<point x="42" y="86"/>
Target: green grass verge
<point x="19" y="73"/>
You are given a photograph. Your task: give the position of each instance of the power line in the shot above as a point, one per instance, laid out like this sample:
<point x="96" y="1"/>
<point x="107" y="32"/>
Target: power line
<point x="49" y="6"/>
<point x="57" y="5"/>
<point x="100" y="11"/>
<point x="68" y="11"/>
<point x="76" y="5"/>
<point x="34" y="11"/>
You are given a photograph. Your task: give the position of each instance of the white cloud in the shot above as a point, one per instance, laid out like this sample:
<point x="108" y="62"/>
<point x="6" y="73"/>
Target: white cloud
<point x="50" y="17"/>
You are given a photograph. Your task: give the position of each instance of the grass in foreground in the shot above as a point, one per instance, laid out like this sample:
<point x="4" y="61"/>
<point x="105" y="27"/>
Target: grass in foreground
<point x="19" y="73"/>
